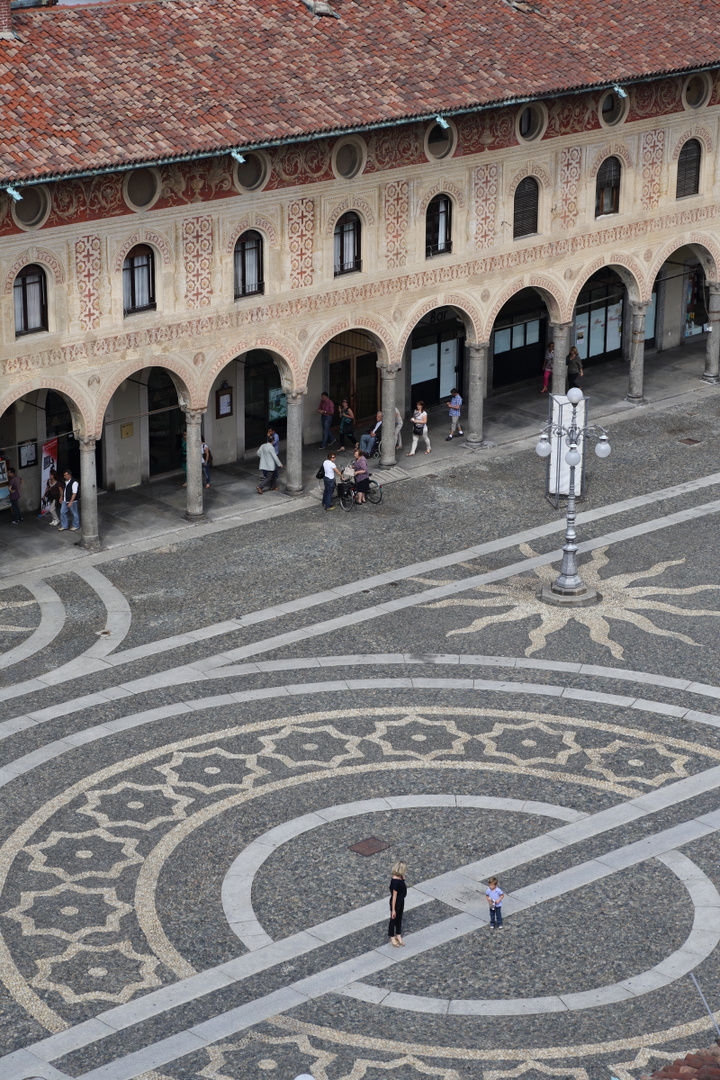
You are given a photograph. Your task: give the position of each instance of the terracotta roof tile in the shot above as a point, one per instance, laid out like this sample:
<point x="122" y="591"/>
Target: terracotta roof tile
<point x="107" y="84"/>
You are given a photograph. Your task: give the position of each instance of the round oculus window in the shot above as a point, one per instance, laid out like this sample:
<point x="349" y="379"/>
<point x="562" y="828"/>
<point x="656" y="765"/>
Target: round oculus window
<point x="530" y="123"/>
<point x="348" y="160"/>
<point x="142" y="188"/>
<point x="440" y="142"/>
<point x="34" y="207"/>
<point x="251" y="173"/>
<point x="612" y="109"/>
<point x="696" y="91"/>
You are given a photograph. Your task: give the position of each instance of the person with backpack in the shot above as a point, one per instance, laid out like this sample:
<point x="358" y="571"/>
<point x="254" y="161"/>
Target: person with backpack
<point x="70" y="494"/>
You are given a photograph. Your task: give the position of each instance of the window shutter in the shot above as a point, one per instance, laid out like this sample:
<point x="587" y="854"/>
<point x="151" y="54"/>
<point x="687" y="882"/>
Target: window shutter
<point x="525" y="217"/>
<point x="688" y="175"/>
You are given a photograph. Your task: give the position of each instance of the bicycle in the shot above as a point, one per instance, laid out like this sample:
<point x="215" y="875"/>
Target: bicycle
<point x="347" y="493"/>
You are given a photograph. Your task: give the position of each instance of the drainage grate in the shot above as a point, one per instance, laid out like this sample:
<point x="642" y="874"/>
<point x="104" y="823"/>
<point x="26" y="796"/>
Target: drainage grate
<point x="689" y="442"/>
<point x="371" y="846"/>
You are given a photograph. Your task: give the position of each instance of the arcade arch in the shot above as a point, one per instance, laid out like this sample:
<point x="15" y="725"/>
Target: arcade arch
<point x="519" y="330"/>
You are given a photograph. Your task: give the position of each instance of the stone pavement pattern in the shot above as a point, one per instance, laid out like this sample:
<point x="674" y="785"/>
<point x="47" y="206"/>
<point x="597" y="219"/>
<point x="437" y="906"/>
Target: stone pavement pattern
<point x="193" y="736"/>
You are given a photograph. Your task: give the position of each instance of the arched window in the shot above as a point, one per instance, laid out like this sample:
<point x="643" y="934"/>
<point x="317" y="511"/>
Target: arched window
<point x="347" y="244"/>
<point x="607" y="192"/>
<point x="139" y="280"/>
<point x="249" y="265"/>
<point x="438" y="226"/>
<point x="688" y="174"/>
<point x="525" y="211"/>
<point x="30" y="297"/>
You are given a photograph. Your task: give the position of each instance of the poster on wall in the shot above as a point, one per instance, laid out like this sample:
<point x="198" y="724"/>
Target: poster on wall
<point x="49" y="461"/>
<point x="277" y="404"/>
<point x="4" y="489"/>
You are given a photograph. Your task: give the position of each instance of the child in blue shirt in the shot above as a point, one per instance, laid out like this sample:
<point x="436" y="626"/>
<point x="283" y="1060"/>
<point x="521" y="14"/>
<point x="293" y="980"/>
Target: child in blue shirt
<point x="495" y="895"/>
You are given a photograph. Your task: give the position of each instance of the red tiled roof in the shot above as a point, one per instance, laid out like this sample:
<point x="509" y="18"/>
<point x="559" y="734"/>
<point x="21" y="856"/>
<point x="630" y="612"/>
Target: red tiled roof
<point x="108" y="84"/>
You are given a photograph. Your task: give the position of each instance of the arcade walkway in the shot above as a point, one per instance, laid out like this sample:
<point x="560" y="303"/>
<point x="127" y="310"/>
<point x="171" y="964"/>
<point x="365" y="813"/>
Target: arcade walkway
<point x="153" y="513"/>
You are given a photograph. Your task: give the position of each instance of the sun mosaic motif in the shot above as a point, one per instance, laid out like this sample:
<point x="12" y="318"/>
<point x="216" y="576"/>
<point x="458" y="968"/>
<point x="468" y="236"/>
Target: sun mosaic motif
<point x="621" y="600"/>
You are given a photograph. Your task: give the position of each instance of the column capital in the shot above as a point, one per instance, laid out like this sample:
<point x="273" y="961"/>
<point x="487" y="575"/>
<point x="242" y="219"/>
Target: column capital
<point x="87" y="442"/>
<point x="639" y="307"/>
<point x="713" y="287"/>
<point x="193" y="416"/>
<point x="477" y="346"/>
<point x="295" y="394"/>
<point x="561" y="326"/>
<point x="388" y="371"/>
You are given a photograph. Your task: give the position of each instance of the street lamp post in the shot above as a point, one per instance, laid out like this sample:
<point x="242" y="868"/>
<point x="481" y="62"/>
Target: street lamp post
<point x="569" y="588"/>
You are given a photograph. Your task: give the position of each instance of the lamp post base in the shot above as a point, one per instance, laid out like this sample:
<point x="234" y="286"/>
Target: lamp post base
<point x="580" y="598"/>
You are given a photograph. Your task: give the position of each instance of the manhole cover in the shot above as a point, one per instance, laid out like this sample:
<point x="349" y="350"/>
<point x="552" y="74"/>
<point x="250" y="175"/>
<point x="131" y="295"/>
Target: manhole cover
<point x="690" y="442"/>
<point x="371" y="846"/>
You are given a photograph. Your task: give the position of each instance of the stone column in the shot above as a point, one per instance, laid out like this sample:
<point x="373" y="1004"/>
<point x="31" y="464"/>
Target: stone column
<point x="712" y="342"/>
<point x="193" y="442"/>
<point x="560" y="335"/>
<point x="293" y="463"/>
<point x="387" y="444"/>
<point x="477" y="357"/>
<point x="637" y="354"/>
<point x="89" y="533"/>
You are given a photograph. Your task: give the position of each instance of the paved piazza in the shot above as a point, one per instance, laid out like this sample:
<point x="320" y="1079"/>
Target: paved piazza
<point x="194" y="734"/>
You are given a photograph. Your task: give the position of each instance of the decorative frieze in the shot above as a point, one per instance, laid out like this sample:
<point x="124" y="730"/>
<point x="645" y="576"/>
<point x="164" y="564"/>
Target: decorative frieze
<point x="301" y="234"/>
<point x="396" y="204"/>
<point x="390" y="287"/>
<point x="197" y="241"/>
<point x="87" y="273"/>
<point x="570" y="162"/>
<point x="485" y="193"/>
<point x="652" y="148"/>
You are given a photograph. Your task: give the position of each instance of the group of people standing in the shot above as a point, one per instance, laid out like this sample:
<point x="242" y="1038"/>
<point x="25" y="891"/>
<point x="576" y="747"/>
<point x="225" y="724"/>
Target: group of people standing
<point x="368" y="441"/>
<point x="573" y="365"/>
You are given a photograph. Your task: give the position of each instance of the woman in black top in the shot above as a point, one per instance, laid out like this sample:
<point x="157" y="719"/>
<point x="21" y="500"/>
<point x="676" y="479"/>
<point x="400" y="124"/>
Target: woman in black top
<point x="347" y="420"/>
<point x="398" y="892"/>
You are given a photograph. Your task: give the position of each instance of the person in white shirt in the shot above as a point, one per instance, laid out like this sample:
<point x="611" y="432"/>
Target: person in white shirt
<point x="331" y="474"/>
<point x="495" y="896"/>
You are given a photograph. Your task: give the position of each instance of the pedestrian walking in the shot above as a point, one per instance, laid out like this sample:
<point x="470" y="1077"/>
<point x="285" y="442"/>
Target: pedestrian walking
<point x="69" y="504"/>
<point x="51" y="497"/>
<point x="398" y="892"/>
<point x="574" y="367"/>
<point x="183" y="455"/>
<point x="548" y="365"/>
<point x="398" y="429"/>
<point x="330" y="473"/>
<point x="275" y="440"/>
<point x="495" y="897"/>
<point x="15" y="484"/>
<point x="269" y="463"/>
<point x="347" y="424"/>
<point x="454" y="408"/>
<point x="206" y="462"/>
<point x="419" y="428"/>
<point x="327" y="411"/>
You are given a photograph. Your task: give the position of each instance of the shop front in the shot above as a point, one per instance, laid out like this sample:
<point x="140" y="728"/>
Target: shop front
<point x="265" y="402"/>
<point x="519" y="340"/>
<point x="437" y="353"/>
